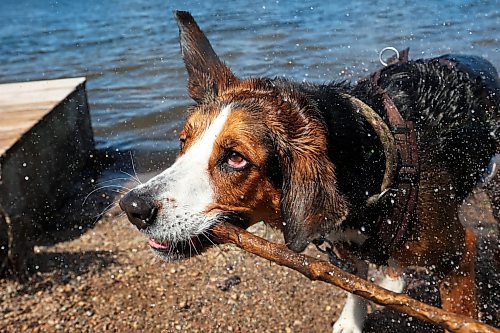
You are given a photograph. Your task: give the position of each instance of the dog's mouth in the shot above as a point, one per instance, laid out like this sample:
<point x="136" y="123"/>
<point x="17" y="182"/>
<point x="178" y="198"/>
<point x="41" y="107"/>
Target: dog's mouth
<point x="184" y="248"/>
<point x="195" y="244"/>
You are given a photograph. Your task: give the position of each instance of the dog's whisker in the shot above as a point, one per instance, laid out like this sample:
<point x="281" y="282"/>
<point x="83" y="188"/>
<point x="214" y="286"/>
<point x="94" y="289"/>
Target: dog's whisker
<point x="191" y="240"/>
<point x="113" y="180"/>
<point x="171" y="248"/>
<point x="191" y="245"/>
<point x="103" y="187"/>
<point x="203" y="233"/>
<point x="199" y="258"/>
<point x="131" y="176"/>
<point x="194" y="247"/>
<point x="190" y="254"/>
<point x="120" y="215"/>
<point x="107" y="209"/>
<point x="119" y="191"/>
<point x="133" y="168"/>
<point x="217" y="246"/>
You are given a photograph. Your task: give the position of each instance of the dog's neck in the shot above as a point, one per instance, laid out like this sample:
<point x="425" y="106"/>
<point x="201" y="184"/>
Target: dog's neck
<point x="353" y="147"/>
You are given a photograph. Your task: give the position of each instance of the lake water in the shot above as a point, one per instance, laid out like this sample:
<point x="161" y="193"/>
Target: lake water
<point x="128" y="50"/>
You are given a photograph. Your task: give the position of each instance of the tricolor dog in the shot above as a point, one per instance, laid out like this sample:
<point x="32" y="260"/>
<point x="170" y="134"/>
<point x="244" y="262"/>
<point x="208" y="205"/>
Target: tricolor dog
<point x="307" y="160"/>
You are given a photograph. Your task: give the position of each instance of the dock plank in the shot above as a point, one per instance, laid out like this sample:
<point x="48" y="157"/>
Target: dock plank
<point x="24" y="104"/>
<point x="46" y="150"/>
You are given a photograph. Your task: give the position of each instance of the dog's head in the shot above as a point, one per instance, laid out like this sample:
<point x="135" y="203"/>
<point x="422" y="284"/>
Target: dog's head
<point x="251" y="150"/>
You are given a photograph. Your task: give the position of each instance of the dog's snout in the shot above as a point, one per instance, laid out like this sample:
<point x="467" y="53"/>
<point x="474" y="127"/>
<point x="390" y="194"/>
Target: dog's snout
<point x="140" y="209"/>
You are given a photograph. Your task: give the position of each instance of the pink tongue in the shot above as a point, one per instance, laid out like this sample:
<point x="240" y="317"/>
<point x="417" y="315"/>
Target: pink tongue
<point x="156" y="245"/>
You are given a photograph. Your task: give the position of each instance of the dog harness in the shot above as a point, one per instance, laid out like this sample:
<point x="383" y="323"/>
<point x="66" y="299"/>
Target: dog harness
<point x="398" y="195"/>
<point x="400" y="200"/>
<point x="397" y="201"/>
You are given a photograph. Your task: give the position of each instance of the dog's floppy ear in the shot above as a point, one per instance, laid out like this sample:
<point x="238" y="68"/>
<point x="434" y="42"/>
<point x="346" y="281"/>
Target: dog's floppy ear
<point x="207" y="73"/>
<point x="311" y="205"/>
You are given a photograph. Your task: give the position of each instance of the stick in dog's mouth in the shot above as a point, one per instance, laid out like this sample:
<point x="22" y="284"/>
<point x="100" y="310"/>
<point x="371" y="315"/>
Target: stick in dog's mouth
<point x="316" y="269"/>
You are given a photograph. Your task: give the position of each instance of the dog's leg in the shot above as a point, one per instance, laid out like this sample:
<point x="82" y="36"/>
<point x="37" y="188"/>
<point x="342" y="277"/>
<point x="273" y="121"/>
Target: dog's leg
<point x="354" y="313"/>
<point x="458" y="288"/>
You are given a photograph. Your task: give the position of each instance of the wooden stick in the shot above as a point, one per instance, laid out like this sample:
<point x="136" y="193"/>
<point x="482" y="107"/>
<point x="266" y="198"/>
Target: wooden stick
<point x="316" y="269"/>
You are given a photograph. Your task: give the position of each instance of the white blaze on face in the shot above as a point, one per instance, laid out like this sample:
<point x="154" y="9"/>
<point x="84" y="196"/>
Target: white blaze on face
<point x="191" y="187"/>
<point x="187" y="180"/>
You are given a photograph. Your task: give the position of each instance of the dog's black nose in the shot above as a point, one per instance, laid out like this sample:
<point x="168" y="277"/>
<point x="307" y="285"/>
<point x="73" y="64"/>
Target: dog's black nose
<point x="140" y="209"/>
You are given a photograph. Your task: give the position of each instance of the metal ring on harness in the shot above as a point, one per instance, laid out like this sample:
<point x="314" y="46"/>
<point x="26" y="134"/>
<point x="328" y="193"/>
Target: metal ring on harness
<point x="388" y="48"/>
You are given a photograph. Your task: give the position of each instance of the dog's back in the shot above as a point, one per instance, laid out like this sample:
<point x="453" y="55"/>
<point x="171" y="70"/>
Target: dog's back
<point x="454" y="102"/>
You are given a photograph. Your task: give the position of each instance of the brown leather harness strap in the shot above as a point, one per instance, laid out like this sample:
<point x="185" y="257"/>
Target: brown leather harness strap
<point x="395" y="229"/>
<point x="394" y="226"/>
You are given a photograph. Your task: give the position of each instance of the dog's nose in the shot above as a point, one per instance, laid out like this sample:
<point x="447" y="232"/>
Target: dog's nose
<point x="140" y="209"/>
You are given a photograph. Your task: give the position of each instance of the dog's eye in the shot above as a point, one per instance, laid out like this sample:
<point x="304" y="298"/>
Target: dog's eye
<point x="182" y="142"/>
<point x="236" y="161"/>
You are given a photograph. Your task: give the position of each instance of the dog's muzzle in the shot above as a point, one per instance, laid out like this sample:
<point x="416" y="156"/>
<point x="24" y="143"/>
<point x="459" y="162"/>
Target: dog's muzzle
<point x="140" y="209"/>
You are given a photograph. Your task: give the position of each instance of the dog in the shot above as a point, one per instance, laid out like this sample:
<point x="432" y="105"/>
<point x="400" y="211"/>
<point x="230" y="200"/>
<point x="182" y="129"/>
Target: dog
<point x="302" y="158"/>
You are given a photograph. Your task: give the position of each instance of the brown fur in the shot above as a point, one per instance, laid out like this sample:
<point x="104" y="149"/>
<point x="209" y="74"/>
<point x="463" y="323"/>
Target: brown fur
<point x="292" y="179"/>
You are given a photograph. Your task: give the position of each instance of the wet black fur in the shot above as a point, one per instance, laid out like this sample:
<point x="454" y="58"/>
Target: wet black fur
<point x="455" y="132"/>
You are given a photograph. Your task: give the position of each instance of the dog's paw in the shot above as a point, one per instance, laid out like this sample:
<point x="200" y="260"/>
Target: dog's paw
<point x="348" y="325"/>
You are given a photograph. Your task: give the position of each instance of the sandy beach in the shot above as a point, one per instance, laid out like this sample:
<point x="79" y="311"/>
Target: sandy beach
<point x="108" y="280"/>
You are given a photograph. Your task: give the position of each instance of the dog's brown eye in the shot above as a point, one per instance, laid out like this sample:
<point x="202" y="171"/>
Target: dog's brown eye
<point x="236" y="161"/>
<point x="182" y="142"/>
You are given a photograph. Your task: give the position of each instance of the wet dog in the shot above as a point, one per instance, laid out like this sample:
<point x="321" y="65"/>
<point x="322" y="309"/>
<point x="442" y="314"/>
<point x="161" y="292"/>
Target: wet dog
<point x="302" y="158"/>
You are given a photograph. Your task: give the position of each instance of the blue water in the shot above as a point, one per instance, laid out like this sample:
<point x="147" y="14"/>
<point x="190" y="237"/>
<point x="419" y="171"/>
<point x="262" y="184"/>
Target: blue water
<point x="128" y="49"/>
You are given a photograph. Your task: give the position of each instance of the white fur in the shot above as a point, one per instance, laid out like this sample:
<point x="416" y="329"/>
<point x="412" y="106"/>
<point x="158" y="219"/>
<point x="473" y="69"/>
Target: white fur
<point x="396" y="285"/>
<point x="190" y="185"/>
<point x="353" y="315"/>
<point x="185" y="190"/>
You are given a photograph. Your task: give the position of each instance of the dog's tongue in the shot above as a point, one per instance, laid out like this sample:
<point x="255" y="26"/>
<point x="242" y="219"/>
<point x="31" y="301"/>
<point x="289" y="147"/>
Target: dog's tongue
<point x="156" y="245"/>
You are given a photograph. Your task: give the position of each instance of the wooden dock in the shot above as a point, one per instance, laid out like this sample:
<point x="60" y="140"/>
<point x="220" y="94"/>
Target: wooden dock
<point x="46" y="141"/>
<point x="24" y="104"/>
